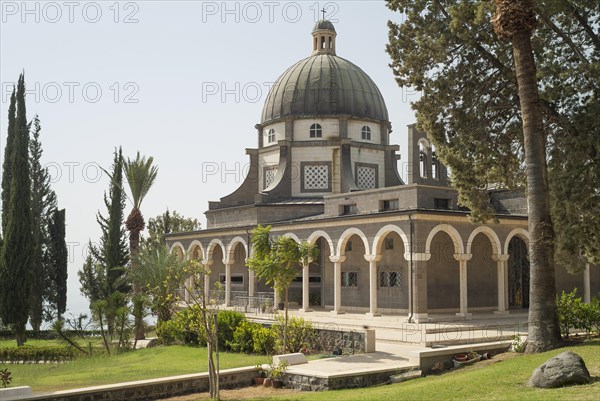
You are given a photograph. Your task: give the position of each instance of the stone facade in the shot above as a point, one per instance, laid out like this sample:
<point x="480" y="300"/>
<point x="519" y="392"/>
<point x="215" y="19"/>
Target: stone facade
<point x="385" y="246"/>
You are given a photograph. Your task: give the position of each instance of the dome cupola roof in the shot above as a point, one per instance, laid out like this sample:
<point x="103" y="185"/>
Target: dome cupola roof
<point x="324" y="85"/>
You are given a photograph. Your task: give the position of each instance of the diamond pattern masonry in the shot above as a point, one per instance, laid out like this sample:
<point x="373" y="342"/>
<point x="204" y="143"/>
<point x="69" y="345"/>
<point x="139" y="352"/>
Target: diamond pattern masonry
<point x="365" y="177"/>
<point x="316" y="177"/>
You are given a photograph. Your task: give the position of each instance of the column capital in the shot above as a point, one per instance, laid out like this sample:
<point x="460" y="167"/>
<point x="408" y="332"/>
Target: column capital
<point x="207" y="262"/>
<point x="500" y="258"/>
<point x="463" y="257"/>
<point x="337" y="259"/>
<point x="372" y="258"/>
<point x="418" y="257"/>
<point x="227" y="262"/>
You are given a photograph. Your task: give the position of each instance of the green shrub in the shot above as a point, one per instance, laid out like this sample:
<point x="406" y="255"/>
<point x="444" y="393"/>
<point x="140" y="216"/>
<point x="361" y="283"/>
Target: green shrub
<point x="227" y="322"/>
<point x="190" y="328"/>
<point x="301" y="334"/>
<point x="167" y="332"/>
<point x="28" y="354"/>
<point x="573" y="313"/>
<point x="243" y="337"/>
<point x="264" y="340"/>
<point x="567" y="305"/>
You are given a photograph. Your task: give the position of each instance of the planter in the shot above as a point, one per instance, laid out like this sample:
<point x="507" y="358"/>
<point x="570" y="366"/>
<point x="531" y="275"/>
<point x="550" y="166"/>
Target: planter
<point x="259" y="381"/>
<point x="458" y="364"/>
<point x="461" y="357"/>
<point x="277" y="383"/>
<point x="267" y="382"/>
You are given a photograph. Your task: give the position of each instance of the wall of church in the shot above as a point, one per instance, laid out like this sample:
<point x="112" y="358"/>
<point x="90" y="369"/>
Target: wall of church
<point x="369" y="156"/>
<point x="390" y="297"/>
<point x="355" y="131"/>
<point x="482" y="275"/>
<point x="355" y="294"/>
<point x="566" y="281"/>
<point x="443" y="283"/>
<point x="267" y="160"/>
<point x="279" y="133"/>
<point x="330" y="128"/>
<point x="329" y="154"/>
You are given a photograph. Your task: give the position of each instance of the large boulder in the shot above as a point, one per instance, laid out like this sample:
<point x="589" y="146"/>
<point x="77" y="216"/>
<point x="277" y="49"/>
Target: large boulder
<point x="562" y="370"/>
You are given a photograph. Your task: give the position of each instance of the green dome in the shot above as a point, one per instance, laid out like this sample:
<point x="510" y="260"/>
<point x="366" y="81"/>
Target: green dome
<point x="324" y="85"/>
<point x="323" y="24"/>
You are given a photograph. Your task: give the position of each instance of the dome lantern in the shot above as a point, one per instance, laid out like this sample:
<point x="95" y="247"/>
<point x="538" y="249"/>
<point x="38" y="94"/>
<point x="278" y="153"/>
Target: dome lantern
<point x="323" y="38"/>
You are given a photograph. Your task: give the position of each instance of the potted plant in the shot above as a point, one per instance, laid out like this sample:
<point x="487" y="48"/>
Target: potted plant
<point x="275" y="373"/>
<point x="260" y="375"/>
<point x="465" y="359"/>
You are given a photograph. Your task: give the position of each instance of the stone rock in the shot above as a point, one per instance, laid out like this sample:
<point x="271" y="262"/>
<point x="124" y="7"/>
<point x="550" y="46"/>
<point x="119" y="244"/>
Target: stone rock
<point x="561" y="370"/>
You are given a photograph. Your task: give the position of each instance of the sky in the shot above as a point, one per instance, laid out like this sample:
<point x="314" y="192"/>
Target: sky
<point x="181" y="81"/>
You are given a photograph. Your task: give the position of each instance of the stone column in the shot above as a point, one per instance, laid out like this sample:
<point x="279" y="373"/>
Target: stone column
<point x="305" y="288"/>
<point x="417" y="293"/>
<point x="337" y="280"/>
<point x="502" y="262"/>
<point x="587" y="296"/>
<point x="250" y="283"/>
<point x="227" y="264"/>
<point x="463" y="258"/>
<point x="373" y="259"/>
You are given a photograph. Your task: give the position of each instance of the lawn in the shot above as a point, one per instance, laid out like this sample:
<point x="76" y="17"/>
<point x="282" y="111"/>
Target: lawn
<point x="128" y="366"/>
<point x="505" y="380"/>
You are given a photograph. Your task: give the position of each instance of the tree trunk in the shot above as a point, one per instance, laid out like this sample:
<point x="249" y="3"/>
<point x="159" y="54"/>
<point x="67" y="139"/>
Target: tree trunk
<point x="285" y="326"/>
<point x="544" y="333"/>
<point x="134" y="242"/>
<point x="20" y="335"/>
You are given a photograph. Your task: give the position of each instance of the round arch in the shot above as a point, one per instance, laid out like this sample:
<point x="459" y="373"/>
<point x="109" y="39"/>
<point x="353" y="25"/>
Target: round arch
<point x="195" y="244"/>
<point x="314" y="236"/>
<point x="490" y="234"/>
<point x="211" y="247"/>
<point x="341" y="248"/>
<point x="233" y="243"/>
<point x="521" y="233"/>
<point x="383" y="232"/>
<point x="424" y="142"/>
<point x="452" y="232"/>
<point x="292" y="236"/>
<point x="179" y="249"/>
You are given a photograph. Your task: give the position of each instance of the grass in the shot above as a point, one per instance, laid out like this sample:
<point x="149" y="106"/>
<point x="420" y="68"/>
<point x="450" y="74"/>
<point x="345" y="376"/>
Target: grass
<point x="505" y="380"/>
<point x="135" y="365"/>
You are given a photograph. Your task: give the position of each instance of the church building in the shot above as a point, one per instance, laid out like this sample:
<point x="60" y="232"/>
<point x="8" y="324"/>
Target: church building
<point x="325" y="172"/>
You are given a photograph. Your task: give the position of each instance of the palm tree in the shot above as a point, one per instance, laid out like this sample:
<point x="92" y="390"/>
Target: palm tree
<point x="515" y="20"/>
<point x="140" y="175"/>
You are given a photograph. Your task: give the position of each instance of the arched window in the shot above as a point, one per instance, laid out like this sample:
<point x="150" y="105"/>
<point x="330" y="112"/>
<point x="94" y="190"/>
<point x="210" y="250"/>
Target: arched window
<point x="316" y="131"/>
<point x="366" y="133"/>
<point x="435" y="165"/>
<point x="271" y="136"/>
<point x="422" y="161"/>
<point x="323" y="43"/>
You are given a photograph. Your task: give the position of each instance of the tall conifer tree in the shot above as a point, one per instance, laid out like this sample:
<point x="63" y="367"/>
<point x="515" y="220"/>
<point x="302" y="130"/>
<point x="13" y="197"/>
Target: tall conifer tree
<point x="58" y="258"/>
<point x="43" y="203"/>
<point x="17" y="247"/>
<point x="6" y="173"/>
<point x="113" y="252"/>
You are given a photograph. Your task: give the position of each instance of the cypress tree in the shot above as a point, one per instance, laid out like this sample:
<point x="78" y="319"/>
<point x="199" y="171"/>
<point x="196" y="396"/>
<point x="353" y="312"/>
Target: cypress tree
<point x="17" y="247"/>
<point x="43" y="202"/>
<point x="113" y="252"/>
<point x="58" y="258"/>
<point x="6" y="172"/>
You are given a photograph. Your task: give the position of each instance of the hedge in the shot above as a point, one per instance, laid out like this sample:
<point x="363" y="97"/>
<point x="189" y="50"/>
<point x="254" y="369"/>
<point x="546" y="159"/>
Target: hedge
<point x="28" y="354"/>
